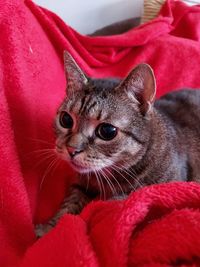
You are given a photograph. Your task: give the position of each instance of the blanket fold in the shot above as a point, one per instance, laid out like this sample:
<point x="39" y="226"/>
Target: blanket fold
<point x="156" y="226"/>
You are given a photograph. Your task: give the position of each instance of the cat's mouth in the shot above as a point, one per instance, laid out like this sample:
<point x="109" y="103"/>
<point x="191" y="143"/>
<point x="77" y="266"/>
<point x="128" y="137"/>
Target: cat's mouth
<point x="80" y="168"/>
<point x="84" y="168"/>
<point x="78" y="165"/>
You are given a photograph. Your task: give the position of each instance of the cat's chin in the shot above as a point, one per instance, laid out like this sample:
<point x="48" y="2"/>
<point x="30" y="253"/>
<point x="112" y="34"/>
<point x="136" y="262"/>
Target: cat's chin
<point x="83" y="169"/>
<point x="79" y="168"/>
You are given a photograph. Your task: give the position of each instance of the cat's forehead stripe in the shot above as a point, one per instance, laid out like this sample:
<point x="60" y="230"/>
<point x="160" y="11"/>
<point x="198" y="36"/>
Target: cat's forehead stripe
<point x="92" y="105"/>
<point x="86" y="104"/>
<point x="82" y="103"/>
<point x="99" y="115"/>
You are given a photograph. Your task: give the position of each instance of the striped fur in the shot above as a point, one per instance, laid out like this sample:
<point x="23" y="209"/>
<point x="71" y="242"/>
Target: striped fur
<point x="155" y="142"/>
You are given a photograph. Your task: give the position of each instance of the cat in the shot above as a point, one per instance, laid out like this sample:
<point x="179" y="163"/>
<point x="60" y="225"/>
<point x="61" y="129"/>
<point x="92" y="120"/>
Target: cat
<point x="119" y="138"/>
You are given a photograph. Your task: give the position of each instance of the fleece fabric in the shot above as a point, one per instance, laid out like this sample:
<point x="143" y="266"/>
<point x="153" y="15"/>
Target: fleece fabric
<point x="156" y="226"/>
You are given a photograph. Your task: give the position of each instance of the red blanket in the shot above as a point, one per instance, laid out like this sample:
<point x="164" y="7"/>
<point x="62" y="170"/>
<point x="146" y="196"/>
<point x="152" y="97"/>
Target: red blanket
<point x="157" y="226"/>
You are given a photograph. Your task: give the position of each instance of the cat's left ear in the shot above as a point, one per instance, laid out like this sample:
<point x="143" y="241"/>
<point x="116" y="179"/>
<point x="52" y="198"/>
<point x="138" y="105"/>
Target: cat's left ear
<point x="140" y="86"/>
<point x="75" y="76"/>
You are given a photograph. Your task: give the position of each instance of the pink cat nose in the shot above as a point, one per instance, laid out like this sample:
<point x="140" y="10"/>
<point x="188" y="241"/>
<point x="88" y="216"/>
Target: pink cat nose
<point x="73" y="151"/>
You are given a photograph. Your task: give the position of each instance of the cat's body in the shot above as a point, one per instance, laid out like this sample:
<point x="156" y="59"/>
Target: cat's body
<point x="180" y="111"/>
<point x="119" y="140"/>
<point x="173" y="154"/>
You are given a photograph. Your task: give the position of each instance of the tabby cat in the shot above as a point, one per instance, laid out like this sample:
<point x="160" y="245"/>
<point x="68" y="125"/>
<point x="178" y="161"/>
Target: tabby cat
<point x="114" y="134"/>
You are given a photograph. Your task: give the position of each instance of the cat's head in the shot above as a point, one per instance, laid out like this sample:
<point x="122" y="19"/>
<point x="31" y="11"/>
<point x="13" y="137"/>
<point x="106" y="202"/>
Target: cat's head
<point x="102" y="124"/>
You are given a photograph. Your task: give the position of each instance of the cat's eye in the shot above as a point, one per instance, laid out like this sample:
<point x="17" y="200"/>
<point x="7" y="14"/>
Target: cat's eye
<point x="66" y="120"/>
<point x="106" y="131"/>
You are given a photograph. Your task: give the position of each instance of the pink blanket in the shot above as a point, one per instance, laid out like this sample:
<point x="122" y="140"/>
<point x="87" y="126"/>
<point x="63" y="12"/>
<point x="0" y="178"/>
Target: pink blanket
<point x="157" y="226"/>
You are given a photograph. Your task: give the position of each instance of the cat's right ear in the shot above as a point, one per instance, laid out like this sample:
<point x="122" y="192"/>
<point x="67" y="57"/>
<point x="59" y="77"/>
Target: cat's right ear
<point x="75" y="76"/>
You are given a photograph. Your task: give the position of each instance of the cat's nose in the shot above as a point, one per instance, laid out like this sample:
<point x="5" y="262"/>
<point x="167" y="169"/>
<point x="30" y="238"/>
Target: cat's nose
<point x="73" y="151"/>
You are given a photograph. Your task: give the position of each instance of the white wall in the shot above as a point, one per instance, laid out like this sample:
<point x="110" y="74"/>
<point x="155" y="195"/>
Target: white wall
<point x="88" y="15"/>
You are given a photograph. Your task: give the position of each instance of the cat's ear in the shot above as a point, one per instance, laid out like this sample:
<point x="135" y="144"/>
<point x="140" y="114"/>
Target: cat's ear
<point x="75" y="76"/>
<point x="140" y="86"/>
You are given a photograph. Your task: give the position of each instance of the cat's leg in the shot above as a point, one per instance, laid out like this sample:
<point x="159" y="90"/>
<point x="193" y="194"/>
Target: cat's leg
<point x="72" y="204"/>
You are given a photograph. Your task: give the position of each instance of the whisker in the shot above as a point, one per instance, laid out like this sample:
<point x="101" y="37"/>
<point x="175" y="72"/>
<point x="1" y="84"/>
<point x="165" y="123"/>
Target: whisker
<point x="47" y="171"/>
<point x="121" y="175"/>
<point x="110" y="184"/>
<point x="57" y="163"/>
<point x="133" y="175"/>
<point x="120" y="187"/>
<point x="99" y="185"/>
<point x="45" y="156"/>
<point x="103" y="175"/>
<point x="130" y="174"/>
<point x="88" y="181"/>
<point x="102" y="185"/>
<point x="39" y="152"/>
<point x="44" y="159"/>
<point x="40" y="141"/>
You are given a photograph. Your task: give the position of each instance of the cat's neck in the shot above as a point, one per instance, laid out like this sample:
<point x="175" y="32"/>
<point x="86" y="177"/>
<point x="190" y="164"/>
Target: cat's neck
<point x="159" y="152"/>
<point x="156" y="158"/>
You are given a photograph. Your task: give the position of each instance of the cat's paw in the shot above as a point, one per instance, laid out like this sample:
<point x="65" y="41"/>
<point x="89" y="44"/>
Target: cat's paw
<point x="42" y="229"/>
